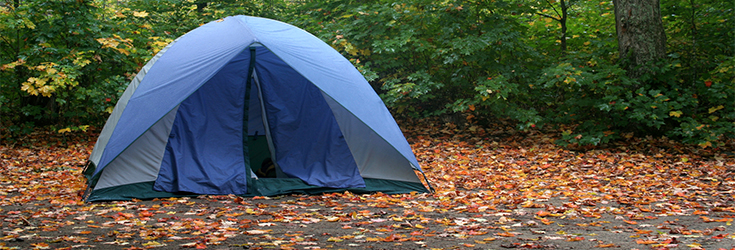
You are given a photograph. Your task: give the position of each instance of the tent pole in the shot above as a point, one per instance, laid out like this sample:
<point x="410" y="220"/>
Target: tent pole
<point x="431" y="188"/>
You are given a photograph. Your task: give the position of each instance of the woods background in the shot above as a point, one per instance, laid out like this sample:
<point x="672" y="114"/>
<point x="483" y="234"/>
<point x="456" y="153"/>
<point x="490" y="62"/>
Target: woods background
<point x="591" y="71"/>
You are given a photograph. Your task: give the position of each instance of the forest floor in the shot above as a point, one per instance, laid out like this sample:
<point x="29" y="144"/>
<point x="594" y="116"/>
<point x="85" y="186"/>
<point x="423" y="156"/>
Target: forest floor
<point x="496" y="188"/>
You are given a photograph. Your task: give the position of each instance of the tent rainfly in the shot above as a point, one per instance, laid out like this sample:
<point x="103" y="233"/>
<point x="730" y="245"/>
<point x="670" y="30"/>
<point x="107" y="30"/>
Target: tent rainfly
<point x="245" y="95"/>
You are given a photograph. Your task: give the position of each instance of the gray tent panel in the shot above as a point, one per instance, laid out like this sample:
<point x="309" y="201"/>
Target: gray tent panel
<point x="380" y="160"/>
<point x="112" y="121"/>
<point x="141" y="161"/>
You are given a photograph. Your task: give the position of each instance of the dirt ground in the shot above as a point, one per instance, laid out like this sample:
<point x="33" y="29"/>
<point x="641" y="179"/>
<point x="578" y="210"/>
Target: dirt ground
<point x="519" y="192"/>
<point x="348" y="221"/>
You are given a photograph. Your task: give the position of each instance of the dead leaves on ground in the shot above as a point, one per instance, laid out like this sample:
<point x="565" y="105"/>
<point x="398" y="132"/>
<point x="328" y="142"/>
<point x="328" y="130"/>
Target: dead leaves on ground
<point x="493" y="191"/>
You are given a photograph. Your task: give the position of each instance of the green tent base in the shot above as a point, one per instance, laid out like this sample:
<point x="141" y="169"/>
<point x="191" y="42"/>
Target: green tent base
<point x="259" y="187"/>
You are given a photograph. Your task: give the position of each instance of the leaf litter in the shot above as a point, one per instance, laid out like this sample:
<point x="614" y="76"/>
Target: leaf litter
<point x="495" y="189"/>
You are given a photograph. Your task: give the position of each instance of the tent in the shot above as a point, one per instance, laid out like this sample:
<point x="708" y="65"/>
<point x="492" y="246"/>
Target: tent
<point x="241" y="94"/>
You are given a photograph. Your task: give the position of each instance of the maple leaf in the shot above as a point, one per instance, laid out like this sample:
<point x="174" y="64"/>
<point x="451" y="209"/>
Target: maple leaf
<point x="40" y="245"/>
<point x="645" y="242"/>
<point x="606" y="245"/>
<point x="257" y="231"/>
<point x="505" y="234"/>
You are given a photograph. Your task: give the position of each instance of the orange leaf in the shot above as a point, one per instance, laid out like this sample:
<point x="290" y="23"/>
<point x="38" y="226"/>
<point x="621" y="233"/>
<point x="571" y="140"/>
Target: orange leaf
<point x="606" y="245"/>
<point x="645" y="242"/>
<point x="41" y="245"/>
<point x="720" y="236"/>
<point x="700" y="212"/>
<point x="476" y="232"/>
<point x="546" y="221"/>
<point x="145" y="214"/>
<point x="577" y="238"/>
<point x="506" y="234"/>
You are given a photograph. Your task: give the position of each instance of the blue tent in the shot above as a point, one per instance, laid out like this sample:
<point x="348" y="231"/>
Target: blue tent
<point x="233" y="95"/>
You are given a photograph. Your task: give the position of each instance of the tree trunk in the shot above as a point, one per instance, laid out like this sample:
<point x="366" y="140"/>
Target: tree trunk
<point x="563" y="21"/>
<point x="201" y="5"/>
<point x="641" y="36"/>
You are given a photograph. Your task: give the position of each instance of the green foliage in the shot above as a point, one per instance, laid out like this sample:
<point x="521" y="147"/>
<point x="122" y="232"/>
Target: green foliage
<point x="603" y="103"/>
<point x="590" y="25"/>
<point x="49" y="52"/>
<point x="66" y="62"/>
<point x="429" y="56"/>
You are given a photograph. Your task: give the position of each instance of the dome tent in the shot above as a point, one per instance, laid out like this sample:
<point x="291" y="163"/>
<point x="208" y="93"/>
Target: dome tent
<point x="204" y="113"/>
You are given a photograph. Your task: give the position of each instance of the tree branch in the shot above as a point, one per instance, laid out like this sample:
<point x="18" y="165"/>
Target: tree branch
<point x="554" y="8"/>
<point x="545" y="15"/>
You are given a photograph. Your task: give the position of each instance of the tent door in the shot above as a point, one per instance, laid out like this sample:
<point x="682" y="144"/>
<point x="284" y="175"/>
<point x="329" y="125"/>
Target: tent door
<point x="260" y="145"/>
<point x="266" y="127"/>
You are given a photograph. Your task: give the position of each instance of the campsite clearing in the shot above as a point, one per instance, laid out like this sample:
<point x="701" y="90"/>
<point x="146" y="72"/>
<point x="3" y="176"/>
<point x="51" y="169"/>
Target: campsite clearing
<point x="495" y="191"/>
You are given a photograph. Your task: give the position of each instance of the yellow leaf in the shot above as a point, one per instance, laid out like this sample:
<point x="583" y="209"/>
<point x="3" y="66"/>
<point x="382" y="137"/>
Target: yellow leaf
<point x="675" y="113"/>
<point x="256" y="231"/>
<point x="26" y="86"/>
<point x="587" y="43"/>
<point x="153" y="244"/>
<point x="123" y="51"/>
<point x="140" y="13"/>
<point x="714" y="109"/>
<point x="65" y="130"/>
